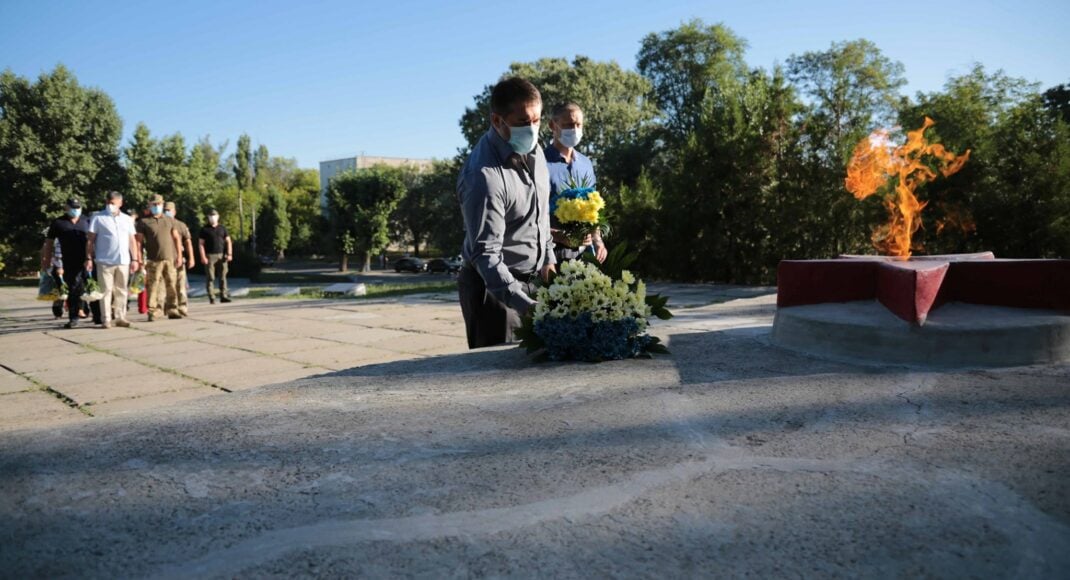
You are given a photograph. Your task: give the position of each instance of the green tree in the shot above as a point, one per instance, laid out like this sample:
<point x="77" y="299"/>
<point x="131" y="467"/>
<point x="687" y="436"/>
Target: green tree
<point x="685" y="64"/>
<point x="968" y="112"/>
<point x="616" y="102"/>
<point x="57" y="139"/>
<point x="261" y="161"/>
<point x="849" y="90"/>
<point x="273" y="227"/>
<point x="141" y="158"/>
<point x="243" y="158"/>
<point x="412" y="219"/>
<point x="303" y="205"/>
<point x="172" y="167"/>
<point x="722" y="216"/>
<point x="446" y="231"/>
<point x="204" y="179"/>
<point x="360" y="204"/>
<point x="1057" y="99"/>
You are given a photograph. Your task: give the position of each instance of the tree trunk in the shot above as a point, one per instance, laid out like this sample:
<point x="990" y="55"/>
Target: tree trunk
<point x="344" y="266"/>
<point x="241" y="218"/>
<point x="367" y="262"/>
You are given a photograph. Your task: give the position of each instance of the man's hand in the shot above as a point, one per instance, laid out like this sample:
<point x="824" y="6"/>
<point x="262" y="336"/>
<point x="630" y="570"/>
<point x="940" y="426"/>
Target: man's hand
<point x="230" y="258"/>
<point x="134" y="266"/>
<point x="59" y="272"/>
<point x="178" y="263"/>
<point x="600" y="251"/>
<point x="546" y="270"/>
<point x="88" y="265"/>
<point x="204" y="260"/>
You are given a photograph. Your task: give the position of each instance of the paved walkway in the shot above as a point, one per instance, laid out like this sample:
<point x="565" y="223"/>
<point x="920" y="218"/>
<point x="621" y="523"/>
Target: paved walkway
<point x="50" y="375"/>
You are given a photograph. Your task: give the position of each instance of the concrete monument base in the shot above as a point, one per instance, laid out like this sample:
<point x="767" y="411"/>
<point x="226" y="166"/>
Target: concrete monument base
<point x="957" y="335"/>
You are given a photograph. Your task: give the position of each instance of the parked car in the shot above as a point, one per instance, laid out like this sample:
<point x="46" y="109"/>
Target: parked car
<point x="410" y="265"/>
<point x="448" y="265"/>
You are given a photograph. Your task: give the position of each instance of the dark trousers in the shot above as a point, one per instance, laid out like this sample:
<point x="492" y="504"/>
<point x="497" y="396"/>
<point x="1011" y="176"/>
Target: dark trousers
<point x="487" y="321"/>
<point x="220" y="262"/>
<point x="76" y="279"/>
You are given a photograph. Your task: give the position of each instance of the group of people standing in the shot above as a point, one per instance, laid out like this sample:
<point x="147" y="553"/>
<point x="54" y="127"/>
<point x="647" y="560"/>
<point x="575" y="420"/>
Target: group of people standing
<point x="504" y="190"/>
<point x="110" y="246"/>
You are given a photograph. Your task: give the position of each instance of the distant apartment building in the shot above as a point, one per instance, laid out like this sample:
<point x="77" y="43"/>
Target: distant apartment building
<point x="329" y="169"/>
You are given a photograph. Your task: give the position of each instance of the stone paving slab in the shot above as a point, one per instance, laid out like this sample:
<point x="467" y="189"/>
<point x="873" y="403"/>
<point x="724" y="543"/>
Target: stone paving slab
<point x="418" y="343"/>
<point x="249" y="339"/>
<point x="13" y="383"/>
<point x="144" y="403"/>
<point x="293" y="345"/>
<point x="35" y="409"/>
<point x="152" y="351"/>
<point x="209" y="355"/>
<point x="59" y="358"/>
<point x="340" y="357"/>
<point x="365" y="335"/>
<point x="231" y="372"/>
<point x="247" y="382"/>
<point x="102" y="372"/>
<point x="146" y="382"/>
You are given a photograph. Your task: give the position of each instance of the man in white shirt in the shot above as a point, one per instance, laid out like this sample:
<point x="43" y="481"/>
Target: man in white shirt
<point x="113" y="246"/>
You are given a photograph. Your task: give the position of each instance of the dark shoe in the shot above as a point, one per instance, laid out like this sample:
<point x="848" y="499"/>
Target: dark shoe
<point x="73" y="323"/>
<point x="151" y="317"/>
<point x="211" y="299"/>
<point x="122" y="323"/>
<point x="225" y="299"/>
<point x="174" y="316"/>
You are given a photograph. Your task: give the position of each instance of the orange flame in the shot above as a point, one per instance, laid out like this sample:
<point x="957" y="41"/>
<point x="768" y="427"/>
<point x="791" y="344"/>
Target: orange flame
<point x="872" y="168"/>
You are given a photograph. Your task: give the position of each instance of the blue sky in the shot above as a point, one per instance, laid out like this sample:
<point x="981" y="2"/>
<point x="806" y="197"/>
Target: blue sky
<point x="319" y="80"/>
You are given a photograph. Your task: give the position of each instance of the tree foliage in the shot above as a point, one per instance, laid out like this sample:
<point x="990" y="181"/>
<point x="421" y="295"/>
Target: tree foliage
<point x="360" y="204"/>
<point x="273" y="223"/>
<point x="58" y="139"/>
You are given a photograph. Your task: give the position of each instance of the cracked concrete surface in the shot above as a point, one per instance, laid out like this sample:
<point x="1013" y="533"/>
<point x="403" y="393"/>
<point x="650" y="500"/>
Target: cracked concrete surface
<point x="728" y="458"/>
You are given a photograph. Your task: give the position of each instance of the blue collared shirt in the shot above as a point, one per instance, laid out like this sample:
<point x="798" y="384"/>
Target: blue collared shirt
<point x="560" y="172"/>
<point x="505" y="200"/>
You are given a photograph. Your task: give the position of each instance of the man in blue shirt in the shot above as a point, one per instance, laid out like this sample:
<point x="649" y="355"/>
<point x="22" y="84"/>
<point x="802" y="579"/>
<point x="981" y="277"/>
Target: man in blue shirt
<point x="566" y="164"/>
<point x="504" y="192"/>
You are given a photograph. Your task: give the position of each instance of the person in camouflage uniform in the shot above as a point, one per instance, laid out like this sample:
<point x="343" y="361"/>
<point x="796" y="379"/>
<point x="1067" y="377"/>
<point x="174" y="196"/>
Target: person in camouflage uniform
<point x="181" y="282"/>
<point x="158" y="235"/>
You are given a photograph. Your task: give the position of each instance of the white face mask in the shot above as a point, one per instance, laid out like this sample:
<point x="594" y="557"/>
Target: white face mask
<point x="213" y="220"/>
<point x="522" y="139"/>
<point x="571" y="137"/>
<point x="112" y="209"/>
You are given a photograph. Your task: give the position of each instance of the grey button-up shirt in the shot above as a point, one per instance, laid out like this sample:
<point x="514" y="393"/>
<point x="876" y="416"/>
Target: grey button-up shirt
<point x="505" y="199"/>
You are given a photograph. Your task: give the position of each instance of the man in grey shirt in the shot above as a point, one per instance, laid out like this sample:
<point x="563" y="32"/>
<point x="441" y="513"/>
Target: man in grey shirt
<point x="504" y="191"/>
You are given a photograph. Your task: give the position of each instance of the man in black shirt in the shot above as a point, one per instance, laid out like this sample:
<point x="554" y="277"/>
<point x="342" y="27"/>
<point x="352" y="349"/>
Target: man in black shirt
<point x="72" y="232"/>
<point x="216" y="249"/>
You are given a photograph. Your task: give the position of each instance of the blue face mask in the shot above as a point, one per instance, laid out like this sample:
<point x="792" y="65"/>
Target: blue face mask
<point x="74" y="211"/>
<point x="156" y="209"/>
<point x="522" y="139"/>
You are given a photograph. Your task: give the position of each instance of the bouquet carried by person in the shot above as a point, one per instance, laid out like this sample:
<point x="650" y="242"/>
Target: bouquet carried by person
<point x="592" y="312"/>
<point x="92" y="290"/>
<point x="578" y="210"/>
<point x="48" y="290"/>
<point x="137" y="282"/>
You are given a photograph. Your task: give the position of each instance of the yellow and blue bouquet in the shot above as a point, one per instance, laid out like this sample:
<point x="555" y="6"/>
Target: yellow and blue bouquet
<point x="578" y="210"/>
<point x="586" y="314"/>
